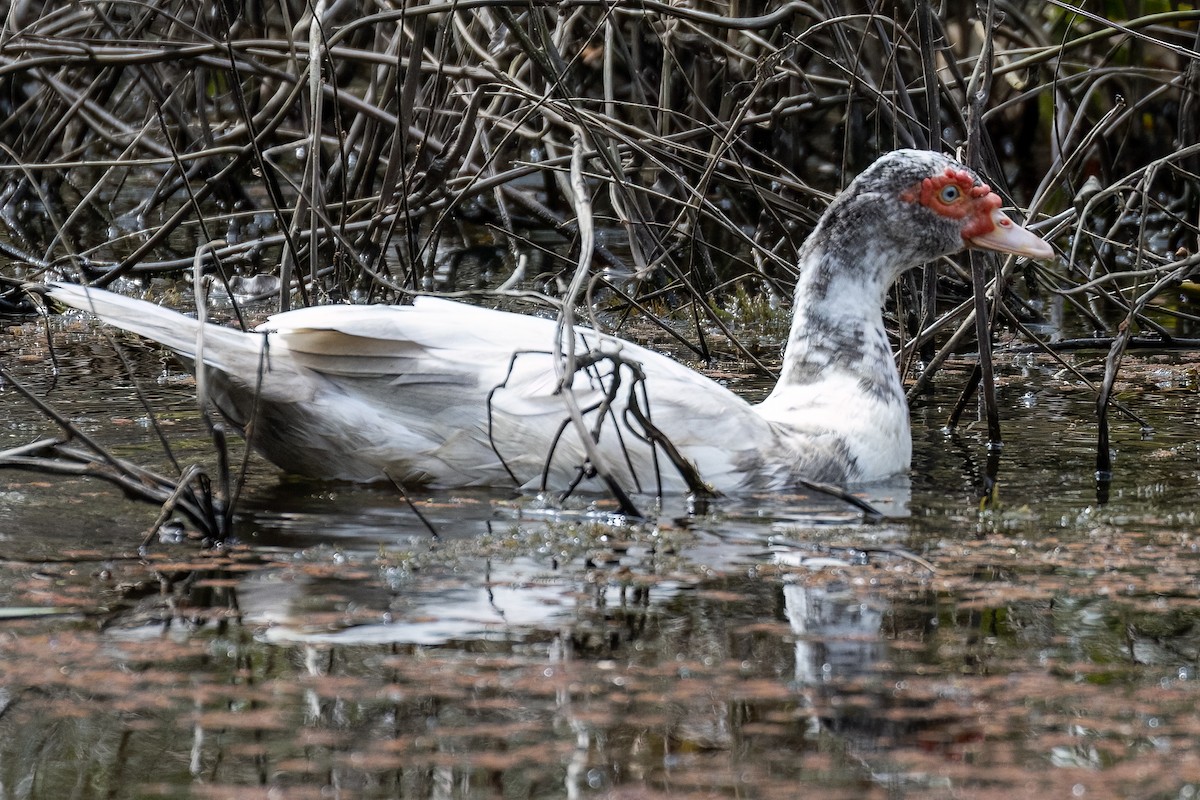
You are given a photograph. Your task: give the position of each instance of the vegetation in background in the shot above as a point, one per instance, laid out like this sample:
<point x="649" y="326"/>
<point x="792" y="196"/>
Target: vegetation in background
<point x="366" y="151"/>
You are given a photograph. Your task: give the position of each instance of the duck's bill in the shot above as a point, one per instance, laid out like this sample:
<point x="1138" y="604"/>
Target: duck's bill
<point x="1008" y="237"/>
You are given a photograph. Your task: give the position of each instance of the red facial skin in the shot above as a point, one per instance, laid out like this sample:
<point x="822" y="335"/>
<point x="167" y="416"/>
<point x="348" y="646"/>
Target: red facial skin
<point x="976" y="202"/>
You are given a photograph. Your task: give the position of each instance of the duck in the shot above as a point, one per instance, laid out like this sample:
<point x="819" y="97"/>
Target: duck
<point x="447" y="394"/>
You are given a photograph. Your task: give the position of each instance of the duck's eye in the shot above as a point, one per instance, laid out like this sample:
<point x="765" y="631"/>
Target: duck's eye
<point x="949" y="193"/>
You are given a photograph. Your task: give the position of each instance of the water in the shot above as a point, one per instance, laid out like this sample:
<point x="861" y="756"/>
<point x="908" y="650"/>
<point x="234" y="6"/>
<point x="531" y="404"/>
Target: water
<point x="770" y="647"/>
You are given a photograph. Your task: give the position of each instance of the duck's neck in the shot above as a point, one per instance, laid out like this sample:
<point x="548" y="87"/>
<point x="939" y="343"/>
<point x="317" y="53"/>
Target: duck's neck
<point x="837" y="326"/>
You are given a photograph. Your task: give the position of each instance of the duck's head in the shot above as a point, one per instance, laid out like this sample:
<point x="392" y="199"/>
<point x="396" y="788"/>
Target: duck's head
<point x="912" y="206"/>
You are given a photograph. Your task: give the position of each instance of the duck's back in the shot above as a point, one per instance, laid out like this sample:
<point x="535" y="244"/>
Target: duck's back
<point x="451" y="394"/>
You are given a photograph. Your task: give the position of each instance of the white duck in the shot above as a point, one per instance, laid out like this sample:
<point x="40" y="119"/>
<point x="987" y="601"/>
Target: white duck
<point x="444" y="393"/>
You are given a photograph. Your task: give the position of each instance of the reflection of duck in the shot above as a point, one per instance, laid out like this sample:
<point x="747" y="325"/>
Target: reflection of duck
<point x="448" y="394"/>
<point x="837" y="634"/>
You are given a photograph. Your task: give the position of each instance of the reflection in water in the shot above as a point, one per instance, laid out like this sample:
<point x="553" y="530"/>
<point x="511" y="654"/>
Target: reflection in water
<point x="770" y="647"/>
<point x="517" y="657"/>
<point x="837" y="633"/>
<point x="486" y="600"/>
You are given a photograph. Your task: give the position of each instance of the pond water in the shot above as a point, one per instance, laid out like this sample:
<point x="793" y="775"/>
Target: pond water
<point x="768" y="647"/>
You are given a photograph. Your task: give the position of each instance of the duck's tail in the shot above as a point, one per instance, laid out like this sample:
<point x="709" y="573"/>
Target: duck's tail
<point x="170" y="328"/>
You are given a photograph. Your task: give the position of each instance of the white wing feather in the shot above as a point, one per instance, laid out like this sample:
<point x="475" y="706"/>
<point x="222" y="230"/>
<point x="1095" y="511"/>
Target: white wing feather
<point x="451" y="394"/>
